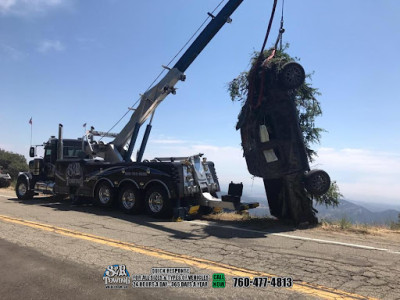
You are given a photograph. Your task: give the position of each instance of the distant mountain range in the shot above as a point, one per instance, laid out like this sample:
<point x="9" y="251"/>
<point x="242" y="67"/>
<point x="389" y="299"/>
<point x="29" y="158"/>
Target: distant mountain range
<point x="356" y="212"/>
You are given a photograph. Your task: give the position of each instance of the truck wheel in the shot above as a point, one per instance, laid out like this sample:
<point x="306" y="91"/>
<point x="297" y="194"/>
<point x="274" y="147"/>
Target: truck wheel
<point x="292" y="75"/>
<point x="104" y="194"/>
<point x="22" y="189"/>
<point x="317" y="182"/>
<point x="129" y="199"/>
<point x="157" y="202"/>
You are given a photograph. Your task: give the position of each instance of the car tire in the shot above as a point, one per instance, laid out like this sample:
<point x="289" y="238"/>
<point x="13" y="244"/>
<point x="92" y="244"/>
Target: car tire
<point x="317" y="182"/>
<point x="157" y="202"/>
<point x="104" y="194"/>
<point x="292" y="75"/>
<point x="129" y="199"/>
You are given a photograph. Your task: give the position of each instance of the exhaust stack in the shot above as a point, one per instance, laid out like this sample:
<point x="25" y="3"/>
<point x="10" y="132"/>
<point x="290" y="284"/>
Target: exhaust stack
<point x="60" y="145"/>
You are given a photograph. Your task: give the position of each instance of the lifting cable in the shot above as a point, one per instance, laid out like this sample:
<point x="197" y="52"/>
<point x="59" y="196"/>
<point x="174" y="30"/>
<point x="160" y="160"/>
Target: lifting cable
<point x="269" y="26"/>
<point x="281" y="31"/>
<point x="163" y="70"/>
<point x="253" y="71"/>
<point x="271" y="56"/>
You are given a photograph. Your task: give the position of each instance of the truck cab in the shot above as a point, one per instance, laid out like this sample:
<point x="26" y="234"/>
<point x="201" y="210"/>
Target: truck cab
<point x="41" y="174"/>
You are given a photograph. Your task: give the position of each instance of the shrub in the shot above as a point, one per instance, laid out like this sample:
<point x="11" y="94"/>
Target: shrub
<point x="12" y="163"/>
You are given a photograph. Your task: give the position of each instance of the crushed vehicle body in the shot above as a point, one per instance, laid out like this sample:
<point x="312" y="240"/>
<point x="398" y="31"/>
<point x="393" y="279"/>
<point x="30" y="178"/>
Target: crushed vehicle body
<point x="272" y="140"/>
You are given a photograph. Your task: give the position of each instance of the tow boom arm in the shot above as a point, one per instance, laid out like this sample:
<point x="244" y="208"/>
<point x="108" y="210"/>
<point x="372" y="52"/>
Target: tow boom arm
<point x="155" y="95"/>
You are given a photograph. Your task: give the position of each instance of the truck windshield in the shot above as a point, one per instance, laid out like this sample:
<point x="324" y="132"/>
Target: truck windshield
<point x="71" y="151"/>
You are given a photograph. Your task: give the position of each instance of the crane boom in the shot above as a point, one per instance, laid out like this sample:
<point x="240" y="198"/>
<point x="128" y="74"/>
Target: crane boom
<point x="155" y="95"/>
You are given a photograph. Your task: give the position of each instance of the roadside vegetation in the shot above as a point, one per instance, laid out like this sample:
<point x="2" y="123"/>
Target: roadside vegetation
<point x="268" y="222"/>
<point x="12" y="163"/>
<point x="346" y="225"/>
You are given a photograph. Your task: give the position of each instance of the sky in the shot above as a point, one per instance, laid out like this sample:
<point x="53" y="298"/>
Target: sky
<point x="76" y="62"/>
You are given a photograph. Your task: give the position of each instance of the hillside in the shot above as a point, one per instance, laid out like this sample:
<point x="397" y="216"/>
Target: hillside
<point x="353" y="212"/>
<point x="357" y="213"/>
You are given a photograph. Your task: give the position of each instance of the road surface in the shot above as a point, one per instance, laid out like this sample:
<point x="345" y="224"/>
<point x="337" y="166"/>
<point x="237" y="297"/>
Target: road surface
<point x="51" y="249"/>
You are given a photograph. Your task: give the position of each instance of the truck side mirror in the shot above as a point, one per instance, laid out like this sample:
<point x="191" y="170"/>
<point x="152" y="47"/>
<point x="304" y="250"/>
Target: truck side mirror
<point x="32" y="152"/>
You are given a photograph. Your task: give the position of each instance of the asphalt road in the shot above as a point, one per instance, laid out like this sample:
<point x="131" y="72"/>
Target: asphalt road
<point x="51" y="249"/>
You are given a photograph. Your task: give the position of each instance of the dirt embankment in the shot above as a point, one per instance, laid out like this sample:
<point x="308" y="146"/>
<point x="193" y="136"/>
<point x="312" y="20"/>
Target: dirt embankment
<point x="8" y="190"/>
<point x="387" y="232"/>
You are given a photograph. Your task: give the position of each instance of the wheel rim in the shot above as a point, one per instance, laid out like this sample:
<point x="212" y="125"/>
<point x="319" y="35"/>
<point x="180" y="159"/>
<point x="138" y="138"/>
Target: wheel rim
<point x="128" y="199"/>
<point x="22" y="189"/>
<point x="319" y="183"/>
<point x="293" y="75"/>
<point x="156" y="202"/>
<point x="104" y="194"/>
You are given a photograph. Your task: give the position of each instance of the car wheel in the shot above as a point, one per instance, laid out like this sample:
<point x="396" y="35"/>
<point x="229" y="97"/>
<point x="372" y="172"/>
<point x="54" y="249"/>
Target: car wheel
<point x="292" y="75"/>
<point x="129" y="199"/>
<point x="104" y="194"/>
<point x="157" y="202"/>
<point x="22" y="189"/>
<point x="317" y="182"/>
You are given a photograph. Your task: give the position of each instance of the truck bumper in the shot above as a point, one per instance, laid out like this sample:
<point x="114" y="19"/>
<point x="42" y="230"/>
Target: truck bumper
<point x="231" y="203"/>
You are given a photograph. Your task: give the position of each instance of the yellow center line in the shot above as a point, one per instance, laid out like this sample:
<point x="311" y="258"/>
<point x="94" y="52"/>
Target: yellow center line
<point x="298" y="286"/>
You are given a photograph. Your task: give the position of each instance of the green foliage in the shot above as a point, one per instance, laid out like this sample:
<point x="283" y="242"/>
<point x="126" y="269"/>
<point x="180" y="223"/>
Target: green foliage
<point x="12" y="163"/>
<point x="395" y="225"/>
<point x="331" y="197"/>
<point x="344" y="223"/>
<point x="308" y="107"/>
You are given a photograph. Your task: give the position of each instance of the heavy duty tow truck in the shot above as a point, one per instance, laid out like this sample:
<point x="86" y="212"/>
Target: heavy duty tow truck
<point x="106" y="173"/>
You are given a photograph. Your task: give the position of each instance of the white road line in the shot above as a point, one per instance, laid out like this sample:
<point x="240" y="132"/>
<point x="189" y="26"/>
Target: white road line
<point x="6" y="196"/>
<point x="298" y="237"/>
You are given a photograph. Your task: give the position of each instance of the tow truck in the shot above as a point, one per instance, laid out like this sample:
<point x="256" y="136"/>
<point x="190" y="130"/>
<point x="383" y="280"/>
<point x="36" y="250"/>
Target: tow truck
<point x="105" y="172"/>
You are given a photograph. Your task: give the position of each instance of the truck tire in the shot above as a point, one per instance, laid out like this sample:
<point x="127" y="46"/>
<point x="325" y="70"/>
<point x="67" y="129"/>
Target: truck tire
<point x="157" y="202"/>
<point x="317" y="182"/>
<point x="129" y="199"/>
<point x="104" y="194"/>
<point x="22" y="189"/>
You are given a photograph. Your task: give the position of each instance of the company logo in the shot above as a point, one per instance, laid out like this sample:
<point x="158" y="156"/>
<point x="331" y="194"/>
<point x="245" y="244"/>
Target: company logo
<point x="218" y="280"/>
<point x="116" y="277"/>
<point x="74" y="170"/>
<point x="74" y="174"/>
